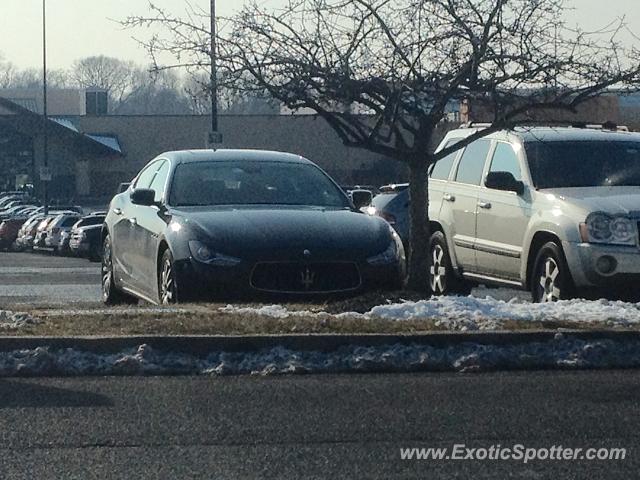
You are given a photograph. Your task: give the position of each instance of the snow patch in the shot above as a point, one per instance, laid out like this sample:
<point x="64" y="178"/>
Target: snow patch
<point x="562" y="352"/>
<point x="472" y="313"/>
<point x="16" y="320"/>
<point x="488" y="313"/>
<point x="275" y="311"/>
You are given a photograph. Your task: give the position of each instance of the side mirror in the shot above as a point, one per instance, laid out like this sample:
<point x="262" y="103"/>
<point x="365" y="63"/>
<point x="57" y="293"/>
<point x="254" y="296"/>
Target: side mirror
<point x="361" y="198"/>
<point x="143" y="196"/>
<point x="504" y="181"/>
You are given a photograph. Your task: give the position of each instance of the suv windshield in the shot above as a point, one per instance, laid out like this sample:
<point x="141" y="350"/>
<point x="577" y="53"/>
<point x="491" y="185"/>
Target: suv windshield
<point x="253" y="183"/>
<point x="584" y="164"/>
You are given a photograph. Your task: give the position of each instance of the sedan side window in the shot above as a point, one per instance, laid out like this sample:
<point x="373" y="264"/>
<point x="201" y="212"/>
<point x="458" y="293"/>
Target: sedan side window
<point x="160" y="180"/>
<point x="506" y="160"/>
<point x="146" y="176"/>
<point x="472" y="162"/>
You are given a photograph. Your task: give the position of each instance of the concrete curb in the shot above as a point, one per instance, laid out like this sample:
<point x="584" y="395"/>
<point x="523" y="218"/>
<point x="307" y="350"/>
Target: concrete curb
<point x="204" y="344"/>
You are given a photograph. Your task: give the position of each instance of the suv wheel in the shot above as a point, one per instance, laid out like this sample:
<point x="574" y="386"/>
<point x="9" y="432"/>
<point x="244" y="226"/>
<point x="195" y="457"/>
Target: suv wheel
<point x="110" y="293"/>
<point x="551" y="279"/>
<point x="442" y="279"/>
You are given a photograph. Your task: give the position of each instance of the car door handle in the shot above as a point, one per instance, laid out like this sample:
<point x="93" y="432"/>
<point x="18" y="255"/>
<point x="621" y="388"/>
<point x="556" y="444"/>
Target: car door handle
<point x="133" y="221"/>
<point x="485" y="205"/>
<point x="117" y="211"/>
<point x="448" y="197"/>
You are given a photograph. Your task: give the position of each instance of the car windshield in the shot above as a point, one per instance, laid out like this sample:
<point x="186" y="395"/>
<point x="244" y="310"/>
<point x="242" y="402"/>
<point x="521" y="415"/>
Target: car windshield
<point x="584" y="164"/>
<point x="253" y="183"/>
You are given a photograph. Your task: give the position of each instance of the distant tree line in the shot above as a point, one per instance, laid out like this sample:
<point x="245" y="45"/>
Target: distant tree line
<point x="136" y="90"/>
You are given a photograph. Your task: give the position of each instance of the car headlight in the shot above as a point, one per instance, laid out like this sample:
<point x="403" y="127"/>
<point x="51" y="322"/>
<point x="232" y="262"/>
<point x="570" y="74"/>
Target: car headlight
<point x="370" y="210"/>
<point x="603" y="228"/>
<point x="204" y="254"/>
<point x="393" y="253"/>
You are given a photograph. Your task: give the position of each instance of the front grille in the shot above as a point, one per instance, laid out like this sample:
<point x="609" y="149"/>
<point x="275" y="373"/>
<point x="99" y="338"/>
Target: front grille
<point x="298" y="277"/>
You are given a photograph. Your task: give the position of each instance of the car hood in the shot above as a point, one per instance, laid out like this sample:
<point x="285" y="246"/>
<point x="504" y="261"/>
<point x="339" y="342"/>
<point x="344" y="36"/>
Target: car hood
<point x="286" y="232"/>
<point x="613" y="200"/>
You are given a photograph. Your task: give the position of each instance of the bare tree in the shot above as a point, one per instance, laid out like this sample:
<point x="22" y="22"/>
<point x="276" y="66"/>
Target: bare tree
<point x="382" y="72"/>
<point x="118" y="78"/>
<point x="7" y="72"/>
<point x="13" y="77"/>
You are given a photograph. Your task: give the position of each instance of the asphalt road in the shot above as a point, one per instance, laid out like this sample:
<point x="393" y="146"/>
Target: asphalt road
<point x="41" y="279"/>
<point x="325" y="426"/>
<point x="44" y="279"/>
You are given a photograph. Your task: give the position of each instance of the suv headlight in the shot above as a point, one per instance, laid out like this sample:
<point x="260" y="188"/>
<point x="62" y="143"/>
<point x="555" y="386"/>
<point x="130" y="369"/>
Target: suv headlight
<point x="393" y="253"/>
<point x="603" y="228"/>
<point x="204" y="254"/>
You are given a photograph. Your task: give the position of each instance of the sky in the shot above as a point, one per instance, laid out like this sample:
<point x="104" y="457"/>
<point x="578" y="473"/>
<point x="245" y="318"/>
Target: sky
<point x="81" y="28"/>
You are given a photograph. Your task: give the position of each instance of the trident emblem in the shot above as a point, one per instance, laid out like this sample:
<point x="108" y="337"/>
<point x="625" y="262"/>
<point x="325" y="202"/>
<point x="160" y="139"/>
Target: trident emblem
<point x="307" y="278"/>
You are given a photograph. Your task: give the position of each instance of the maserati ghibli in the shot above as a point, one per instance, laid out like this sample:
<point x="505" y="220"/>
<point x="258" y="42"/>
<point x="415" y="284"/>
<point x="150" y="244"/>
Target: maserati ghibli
<point x="216" y="223"/>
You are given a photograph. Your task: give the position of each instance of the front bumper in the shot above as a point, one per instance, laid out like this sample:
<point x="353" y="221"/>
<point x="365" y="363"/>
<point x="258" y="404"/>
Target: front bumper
<point x="585" y="261"/>
<point x="207" y="280"/>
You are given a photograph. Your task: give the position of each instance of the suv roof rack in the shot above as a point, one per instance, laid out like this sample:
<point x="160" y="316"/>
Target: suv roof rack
<point x="475" y="125"/>
<point x="608" y="125"/>
<point x="601" y="126"/>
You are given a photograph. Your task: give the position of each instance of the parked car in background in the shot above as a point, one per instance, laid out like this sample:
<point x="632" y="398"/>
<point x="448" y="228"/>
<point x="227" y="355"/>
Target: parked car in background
<point x="9" y="232"/>
<point x="59" y="224"/>
<point x="552" y="210"/>
<point x="392" y="204"/>
<point x="209" y="223"/>
<point x="26" y="233"/>
<point x="85" y="236"/>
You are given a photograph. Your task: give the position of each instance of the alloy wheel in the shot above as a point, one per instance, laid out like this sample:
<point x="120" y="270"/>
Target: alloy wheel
<point x="548" y="282"/>
<point x="167" y="283"/>
<point x="107" y="271"/>
<point x="437" y="271"/>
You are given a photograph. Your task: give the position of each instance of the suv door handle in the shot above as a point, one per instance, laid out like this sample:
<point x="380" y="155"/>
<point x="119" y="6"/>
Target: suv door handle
<point x="117" y="211"/>
<point x="485" y="205"/>
<point x="448" y="197"/>
<point x="133" y="221"/>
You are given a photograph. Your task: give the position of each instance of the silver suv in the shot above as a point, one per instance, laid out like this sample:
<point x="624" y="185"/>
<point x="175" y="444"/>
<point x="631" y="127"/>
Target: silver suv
<point x="552" y="210"/>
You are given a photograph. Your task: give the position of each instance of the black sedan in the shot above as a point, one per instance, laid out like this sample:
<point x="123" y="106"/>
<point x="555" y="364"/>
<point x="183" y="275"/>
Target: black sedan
<point x="207" y="224"/>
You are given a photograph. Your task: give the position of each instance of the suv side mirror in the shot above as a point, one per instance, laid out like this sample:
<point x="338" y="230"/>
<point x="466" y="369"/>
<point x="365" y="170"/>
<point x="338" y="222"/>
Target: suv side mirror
<point x="504" y="181"/>
<point x="143" y="196"/>
<point x="361" y="198"/>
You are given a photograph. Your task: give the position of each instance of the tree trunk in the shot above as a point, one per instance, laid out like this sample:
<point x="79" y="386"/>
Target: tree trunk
<point x="419" y="231"/>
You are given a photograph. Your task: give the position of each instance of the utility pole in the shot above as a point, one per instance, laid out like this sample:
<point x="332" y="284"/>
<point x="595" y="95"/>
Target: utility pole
<point x="214" y="136"/>
<point x="44" y="174"/>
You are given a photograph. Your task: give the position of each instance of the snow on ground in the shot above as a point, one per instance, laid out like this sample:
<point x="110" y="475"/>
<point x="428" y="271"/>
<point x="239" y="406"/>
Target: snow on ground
<point x="562" y="352"/>
<point x="16" y="320"/>
<point x="488" y="313"/>
<point x="474" y="313"/>
<point x="275" y="311"/>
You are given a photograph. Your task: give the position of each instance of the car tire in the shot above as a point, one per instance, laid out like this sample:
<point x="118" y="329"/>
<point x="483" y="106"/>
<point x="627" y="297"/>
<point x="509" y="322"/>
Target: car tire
<point x="168" y="288"/>
<point x="551" y="280"/>
<point x="111" y="295"/>
<point x="442" y="278"/>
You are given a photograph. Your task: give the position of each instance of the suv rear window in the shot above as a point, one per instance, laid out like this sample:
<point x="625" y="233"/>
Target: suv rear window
<point x="584" y="163"/>
<point x="472" y="162"/>
<point x="442" y="167"/>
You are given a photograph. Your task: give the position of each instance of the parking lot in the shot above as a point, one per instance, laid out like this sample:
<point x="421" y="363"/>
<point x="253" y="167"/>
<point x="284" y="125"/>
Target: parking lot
<point x="42" y="279"/>
<point x="45" y="279"/>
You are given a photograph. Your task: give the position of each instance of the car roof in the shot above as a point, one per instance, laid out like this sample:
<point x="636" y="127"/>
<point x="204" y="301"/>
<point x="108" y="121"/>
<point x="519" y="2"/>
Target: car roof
<point x="556" y="134"/>
<point x="187" y="156"/>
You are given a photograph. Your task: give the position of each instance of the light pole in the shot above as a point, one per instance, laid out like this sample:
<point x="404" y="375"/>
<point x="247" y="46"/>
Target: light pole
<point x="44" y="175"/>
<point x="214" y="136"/>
